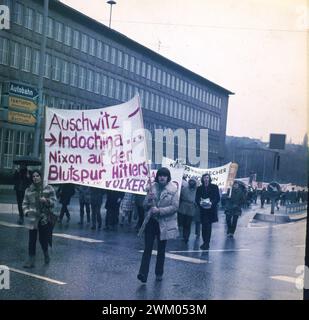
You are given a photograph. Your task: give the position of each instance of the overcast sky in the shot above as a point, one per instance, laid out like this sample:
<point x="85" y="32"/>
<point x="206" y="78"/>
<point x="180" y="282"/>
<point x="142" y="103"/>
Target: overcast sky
<point x="255" y="48"/>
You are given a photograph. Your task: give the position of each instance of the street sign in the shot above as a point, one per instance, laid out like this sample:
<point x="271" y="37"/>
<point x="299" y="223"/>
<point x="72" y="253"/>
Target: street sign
<point x="22" y="90"/>
<point x="21" y="118"/>
<point x="22" y="104"/>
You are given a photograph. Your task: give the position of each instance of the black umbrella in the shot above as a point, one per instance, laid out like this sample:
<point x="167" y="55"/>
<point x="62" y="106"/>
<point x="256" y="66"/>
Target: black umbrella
<point x="27" y="160"/>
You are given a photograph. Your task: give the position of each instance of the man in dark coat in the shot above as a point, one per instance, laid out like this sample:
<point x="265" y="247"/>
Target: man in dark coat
<point x="96" y="199"/>
<point x="112" y="204"/>
<point x="207" y="199"/>
<point x="64" y="193"/>
<point x="22" y="181"/>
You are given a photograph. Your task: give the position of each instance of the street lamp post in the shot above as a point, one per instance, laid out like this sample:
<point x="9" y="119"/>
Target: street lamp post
<point x="111" y="3"/>
<point x="37" y="134"/>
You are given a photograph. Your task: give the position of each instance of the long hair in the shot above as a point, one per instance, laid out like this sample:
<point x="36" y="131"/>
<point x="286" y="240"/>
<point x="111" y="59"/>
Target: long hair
<point x="163" y="172"/>
<point x="202" y="179"/>
<point x="35" y="171"/>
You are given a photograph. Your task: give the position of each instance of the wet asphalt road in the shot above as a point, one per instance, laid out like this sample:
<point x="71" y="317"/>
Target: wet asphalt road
<point x="259" y="263"/>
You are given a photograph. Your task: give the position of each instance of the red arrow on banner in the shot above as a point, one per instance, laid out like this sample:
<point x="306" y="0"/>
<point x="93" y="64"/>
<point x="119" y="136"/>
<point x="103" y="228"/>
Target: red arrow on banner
<point x="52" y="139"/>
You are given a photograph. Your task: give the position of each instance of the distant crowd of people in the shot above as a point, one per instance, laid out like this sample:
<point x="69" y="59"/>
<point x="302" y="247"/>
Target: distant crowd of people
<point x="162" y="213"/>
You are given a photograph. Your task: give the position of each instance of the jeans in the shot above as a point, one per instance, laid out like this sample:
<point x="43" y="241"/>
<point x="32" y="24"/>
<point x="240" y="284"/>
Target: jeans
<point x="231" y="221"/>
<point x="152" y="231"/>
<point x="43" y="239"/>
<point x="206" y="228"/>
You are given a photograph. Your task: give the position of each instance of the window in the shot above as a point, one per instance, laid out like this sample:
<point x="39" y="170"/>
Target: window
<point x="138" y="66"/>
<point x="118" y="93"/>
<point x="126" y="61"/>
<point x="132" y="64"/>
<point x="8" y="149"/>
<point x="193" y="91"/>
<point x="177" y="84"/>
<point x="97" y="83"/>
<point x="154" y="73"/>
<point x="159" y="76"/>
<point x="99" y="49"/>
<point x="26" y="60"/>
<point x="4" y="51"/>
<point x="163" y="78"/>
<point x="113" y="55"/>
<point x="185" y="88"/>
<point x="35" y="61"/>
<point x="130" y="91"/>
<point x="104" y="85"/>
<point x="67" y="35"/>
<point x="74" y="76"/>
<point x="50" y="27"/>
<point x="56" y="69"/>
<point x="76" y="37"/>
<point x="20" y="143"/>
<point x="18" y="13"/>
<point x="29" y="18"/>
<point x="111" y="88"/>
<point x="14" y="55"/>
<point x="151" y="101"/>
<point x="47" y="65"/>
<point x="65" y="72"/>
<point x="143" y="69"/>
<point x="180" y="86"/>
<point x="39" y="22"/>
<point x="120" y="57"/>
<point x="90" y="81"/>
<point x="168" y="80"/>
<point x="84" y="43"/>
<point x="148" y="71"/>
<point x="82" y="77"/>
<point x="106" y="52"/>
<point x="220" y="103"/>
<point x="91" y="46"/>
<point x="124" y="92"/>
<point x="58" y="31"/>
<point x="147" y="99"/>
<point x="173" y="82"/>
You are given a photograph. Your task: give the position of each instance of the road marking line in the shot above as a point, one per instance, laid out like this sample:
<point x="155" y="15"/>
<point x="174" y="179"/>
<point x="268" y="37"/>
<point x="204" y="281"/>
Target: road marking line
<point x="213" y="250"/>
<point x="37" y="276"/>
<point x="300" y="246"/>
<point x="60" y="235"/>
<point x="181" y="258"/>
<point x="12" y="225"/>
<point x="68" y="236"/>
<point x="298" y="282"/>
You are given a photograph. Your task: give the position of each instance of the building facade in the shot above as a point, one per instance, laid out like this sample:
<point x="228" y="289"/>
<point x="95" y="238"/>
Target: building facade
<point x="88" y="65"/>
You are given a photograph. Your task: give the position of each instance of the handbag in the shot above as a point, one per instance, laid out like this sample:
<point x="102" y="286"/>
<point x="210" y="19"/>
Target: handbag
<point x="52" y="218"/>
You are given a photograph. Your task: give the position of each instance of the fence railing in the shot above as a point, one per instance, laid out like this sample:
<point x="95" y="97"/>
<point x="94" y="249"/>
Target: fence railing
<point x="296" y="207"/>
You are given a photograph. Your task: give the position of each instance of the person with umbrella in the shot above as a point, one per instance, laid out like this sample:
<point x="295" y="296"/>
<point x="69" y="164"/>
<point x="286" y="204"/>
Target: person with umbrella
<point x="22" y="181"/>
<point x="38" y="204"/>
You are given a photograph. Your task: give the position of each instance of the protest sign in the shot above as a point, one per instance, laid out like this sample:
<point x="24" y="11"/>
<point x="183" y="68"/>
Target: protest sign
<point x="103" y="147"/>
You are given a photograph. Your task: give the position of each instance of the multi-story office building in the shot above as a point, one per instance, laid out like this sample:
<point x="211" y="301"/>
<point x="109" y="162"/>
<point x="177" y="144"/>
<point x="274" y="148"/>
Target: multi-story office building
<point x="89" y="65"/>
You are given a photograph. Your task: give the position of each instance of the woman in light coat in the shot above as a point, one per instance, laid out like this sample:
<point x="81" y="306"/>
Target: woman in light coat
<point x="188" y="207"/>
<point x="161" y="205"/>
<point x="38" y="203"/>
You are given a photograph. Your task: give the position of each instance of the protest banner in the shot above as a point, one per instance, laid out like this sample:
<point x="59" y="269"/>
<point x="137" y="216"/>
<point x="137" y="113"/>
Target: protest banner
<point x="104" y="148"/>
<point x="219" y="175"/>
